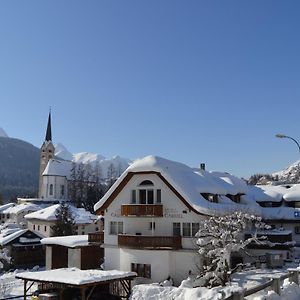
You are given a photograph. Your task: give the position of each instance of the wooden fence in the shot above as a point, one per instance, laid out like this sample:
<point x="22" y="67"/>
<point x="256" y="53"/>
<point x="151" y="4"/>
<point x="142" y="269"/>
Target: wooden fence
<point x="273" y="284"/>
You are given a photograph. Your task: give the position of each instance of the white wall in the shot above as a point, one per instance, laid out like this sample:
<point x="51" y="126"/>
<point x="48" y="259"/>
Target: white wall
<point x="174" y="210"/>
<point x="57" y="182"/>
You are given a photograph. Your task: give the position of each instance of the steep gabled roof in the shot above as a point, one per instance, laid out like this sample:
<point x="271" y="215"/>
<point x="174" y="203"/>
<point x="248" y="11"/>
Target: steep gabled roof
<point x="188" y="184"/>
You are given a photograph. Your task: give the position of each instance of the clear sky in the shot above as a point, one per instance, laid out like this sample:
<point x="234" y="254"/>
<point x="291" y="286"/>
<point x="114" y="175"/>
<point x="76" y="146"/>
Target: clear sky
<point x="192" y="81"/>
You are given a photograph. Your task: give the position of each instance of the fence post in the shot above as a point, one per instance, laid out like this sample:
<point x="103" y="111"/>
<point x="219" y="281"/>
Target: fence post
<point x="276" y="285"/>
<point x="294" y="276"/>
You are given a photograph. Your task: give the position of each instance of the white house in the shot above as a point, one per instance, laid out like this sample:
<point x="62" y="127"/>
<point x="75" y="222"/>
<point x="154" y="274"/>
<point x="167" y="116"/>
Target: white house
<point x="42" y="220"/>
<point x="152" y="214"/>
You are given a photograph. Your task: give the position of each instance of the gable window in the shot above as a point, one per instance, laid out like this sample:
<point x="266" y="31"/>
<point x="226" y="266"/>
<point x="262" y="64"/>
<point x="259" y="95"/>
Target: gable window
<point x="146" y="182"/>
<point x="176" y="229"/>
<point x="158" y="196"/>
<point x="150" y="196"/>
<point x="133" y="196"/>
<point x="51" y="190"/>
<point x="142" y="194"/>
<point x="142" y="270"/>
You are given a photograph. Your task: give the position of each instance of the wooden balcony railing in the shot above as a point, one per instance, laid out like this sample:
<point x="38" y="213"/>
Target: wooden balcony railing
<point x="96" y="237"/>
<point x="142" y="210"/>
<point x="152" y="242"/>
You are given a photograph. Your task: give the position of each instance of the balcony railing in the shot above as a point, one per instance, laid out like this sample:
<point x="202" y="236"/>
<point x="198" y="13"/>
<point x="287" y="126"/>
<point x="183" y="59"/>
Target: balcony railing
<point x="152" y="242"/>
<point x="96" y="237"/>
<point x="142" y="210"/>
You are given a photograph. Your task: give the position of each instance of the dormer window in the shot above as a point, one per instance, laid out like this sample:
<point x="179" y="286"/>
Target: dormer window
<point x="235" y="198"/>
<point x="210" y="197"/>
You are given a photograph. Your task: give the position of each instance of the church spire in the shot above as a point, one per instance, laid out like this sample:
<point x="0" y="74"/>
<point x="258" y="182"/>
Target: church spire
<point x="48" y="132"/>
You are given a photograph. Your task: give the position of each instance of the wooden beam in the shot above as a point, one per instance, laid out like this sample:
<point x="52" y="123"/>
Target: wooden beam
<point x="25" y="289"/>
<point x="82" y="290"/>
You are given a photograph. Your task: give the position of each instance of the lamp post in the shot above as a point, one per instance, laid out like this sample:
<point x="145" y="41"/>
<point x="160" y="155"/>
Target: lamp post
<point x="283" y="136"/>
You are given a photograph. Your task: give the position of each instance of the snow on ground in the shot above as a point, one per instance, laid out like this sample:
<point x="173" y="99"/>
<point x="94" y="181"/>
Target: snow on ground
<point x="243" y="279"/>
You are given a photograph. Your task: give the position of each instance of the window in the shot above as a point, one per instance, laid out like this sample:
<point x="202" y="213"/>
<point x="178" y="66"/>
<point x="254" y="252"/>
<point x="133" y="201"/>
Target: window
<point x="186" y="229"/>
<point x="210" y="197"/>
<point x="51" y="190"/>
<point x="38" y="227"/>
<point x="142" y="196"/>
<point x="33" y="227"/>
<point x="195" y="228"/>
<point x="146" y="182"/>
<point x="150" y="196"/>
<point x="133" y="196"/>
<point x="152" y="226"/>
<point x="62" y="190"/>
<point x="158" y="196"/>
<point x="297" y="229"/>
<point x="176" y="229"/>
<point x="45" y="228"/>
<point x="116" y="227"/>
<point x="142" y="270"/>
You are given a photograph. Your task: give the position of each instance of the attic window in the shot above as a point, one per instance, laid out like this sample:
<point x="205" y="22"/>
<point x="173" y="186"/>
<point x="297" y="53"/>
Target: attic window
<point x="235" y="198"/>
<point x="210" y="197"/>
<point x="146" y="182"/>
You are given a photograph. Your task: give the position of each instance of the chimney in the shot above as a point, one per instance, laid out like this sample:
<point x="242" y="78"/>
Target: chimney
<point x="202" y="166"/>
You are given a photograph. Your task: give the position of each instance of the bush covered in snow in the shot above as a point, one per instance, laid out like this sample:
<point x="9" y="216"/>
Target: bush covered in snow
<point x="217" y="238"/>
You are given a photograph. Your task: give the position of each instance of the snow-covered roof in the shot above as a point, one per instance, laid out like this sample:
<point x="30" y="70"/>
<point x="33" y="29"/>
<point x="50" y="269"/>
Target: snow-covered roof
<point x="5" y="239"/>
<point x="80" y="215"/>
<point x="6" y="206"/>
<point x="70" y="241"/>
<point x="75" y="276"/>
<point x="266" y="193"/>
<point x="56" y="167"/>
<point x="21" y="207"/>
<point x="190" y="183"/>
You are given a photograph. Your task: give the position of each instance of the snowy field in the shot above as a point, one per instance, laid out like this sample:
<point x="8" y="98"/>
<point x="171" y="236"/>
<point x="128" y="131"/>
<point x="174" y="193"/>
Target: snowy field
<point x="10" y="286"/>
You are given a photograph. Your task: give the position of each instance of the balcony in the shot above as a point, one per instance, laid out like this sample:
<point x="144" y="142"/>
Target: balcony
<point x="149" y="242"/>
<point x="142" y="210"/>
<point x="96" y="237"/>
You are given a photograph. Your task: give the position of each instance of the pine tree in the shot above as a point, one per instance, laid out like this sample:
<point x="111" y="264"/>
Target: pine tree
<point x="64" y="224"/>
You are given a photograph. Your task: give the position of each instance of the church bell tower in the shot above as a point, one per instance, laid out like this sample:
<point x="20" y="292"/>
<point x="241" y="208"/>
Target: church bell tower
<point x="46" y="153"/>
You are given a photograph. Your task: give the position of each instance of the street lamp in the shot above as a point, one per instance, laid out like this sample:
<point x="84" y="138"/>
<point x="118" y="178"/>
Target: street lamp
<point x="283" y="136"/>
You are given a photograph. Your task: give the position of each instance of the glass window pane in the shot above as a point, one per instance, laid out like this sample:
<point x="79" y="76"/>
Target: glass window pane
<point x="150" y="195"/>
<point x="142" y="196"/>
<point x="195" y="228"/>
<point x="158" y="196"/>
<point x="133" y="196"/>
<point x="176" y="229"/>
<point x="186" y="230"/>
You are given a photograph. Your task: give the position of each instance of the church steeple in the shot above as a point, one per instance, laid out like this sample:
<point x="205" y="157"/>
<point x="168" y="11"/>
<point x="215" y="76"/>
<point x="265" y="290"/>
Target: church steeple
<point x="48" y="132"/>
<point x="47" y="153"/>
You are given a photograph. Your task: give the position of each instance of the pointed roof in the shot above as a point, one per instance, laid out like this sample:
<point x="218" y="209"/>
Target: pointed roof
<point x="48" y="132"/>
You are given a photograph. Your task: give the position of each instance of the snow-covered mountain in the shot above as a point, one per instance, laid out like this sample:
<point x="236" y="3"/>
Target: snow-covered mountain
<point x="291" y="174"/>
<point x="119" y="163"/>
<point x="3" y="133"/>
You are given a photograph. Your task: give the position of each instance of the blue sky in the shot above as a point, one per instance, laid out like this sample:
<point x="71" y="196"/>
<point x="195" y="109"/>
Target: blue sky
<point x="192" y="81"/>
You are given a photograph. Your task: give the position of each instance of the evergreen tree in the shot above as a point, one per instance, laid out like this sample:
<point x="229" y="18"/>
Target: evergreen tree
<point x="64" y="224"/>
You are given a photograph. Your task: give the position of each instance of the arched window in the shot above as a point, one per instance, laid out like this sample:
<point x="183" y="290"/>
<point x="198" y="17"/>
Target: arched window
<point x="146" y="182"/>
<point x="51" y="190"/>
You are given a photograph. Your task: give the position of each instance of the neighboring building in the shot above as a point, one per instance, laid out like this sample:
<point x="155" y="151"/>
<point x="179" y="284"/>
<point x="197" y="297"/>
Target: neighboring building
<point x="24" y="248"/>
<point x="152" y="214"/>
<point x="3" y="216"/>
<point x="41" y="221"/>
<point x="280" y="206"/>
<point x="79" y="251"/>
<point x="15" y="213"/>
